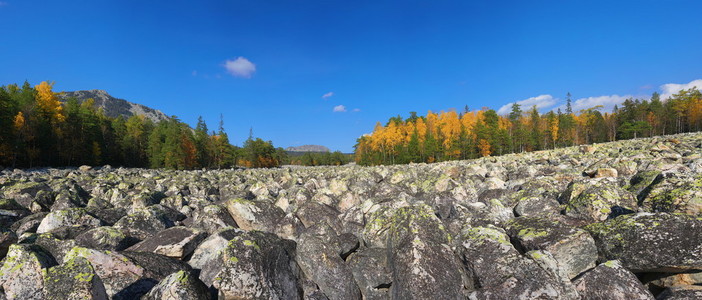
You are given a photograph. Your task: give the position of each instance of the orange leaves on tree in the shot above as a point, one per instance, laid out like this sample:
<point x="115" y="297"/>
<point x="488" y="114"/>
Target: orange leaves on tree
<point x="19" y="121"/>
<point x="48" y="102"/>
<point x="484" y="147"/>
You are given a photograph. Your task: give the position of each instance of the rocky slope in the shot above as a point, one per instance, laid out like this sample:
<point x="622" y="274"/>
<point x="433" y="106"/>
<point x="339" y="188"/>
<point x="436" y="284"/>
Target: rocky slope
<point x="115" y="107"/>
<point x="611" y="221"/>
<point x="308" y="148"/>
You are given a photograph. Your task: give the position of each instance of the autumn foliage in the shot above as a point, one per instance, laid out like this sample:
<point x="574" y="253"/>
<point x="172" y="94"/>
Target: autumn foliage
<point x="37" y="129"/>
<point x="449" y="135"/>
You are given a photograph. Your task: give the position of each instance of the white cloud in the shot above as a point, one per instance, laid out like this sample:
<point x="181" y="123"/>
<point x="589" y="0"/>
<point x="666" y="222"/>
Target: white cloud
<point x="327" y="95"/>
<point x="607" y="101"/>
<point x="667" y="90"/>
<point x="240" y="67"/>
<point x="339" y="108"/>
<point x="356" y="110"/>
<point x="541" y="102"/>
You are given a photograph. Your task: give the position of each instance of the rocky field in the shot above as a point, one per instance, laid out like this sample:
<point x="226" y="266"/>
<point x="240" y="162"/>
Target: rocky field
<point x="620" y="220"/>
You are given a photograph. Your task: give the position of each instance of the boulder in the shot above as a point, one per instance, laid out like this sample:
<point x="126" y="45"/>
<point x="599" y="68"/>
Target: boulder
<point x="29" y="223"/>
<point x="33" y="196"/>
<point x="598" y="199"/>
<point x="74" y="279"/>
<point x="611" y="281"/>
<point x="687" y="292"/>
<point x="122" y="278"/>
<point x="321" y="263"/>
<point x="179" y="286"/>
<point x="371" y="272"/>
<point x="243" y="265"/>
<point x="573" y="248"/>
<point x="420" y="258"/>
<point x="67" y="217"/>
<point x="21" y="275"/>
<point x="104" y="238"/>
<point x="500" y="272"/>
<point x="175" y="242"/>
<point x="260" y="215"/>
<point x="7" y="238"/>
<point x="144" y="222"/>
<point x="211" y="218"/>
<point x="646" y="242"/>
<point x="674" y="193"/>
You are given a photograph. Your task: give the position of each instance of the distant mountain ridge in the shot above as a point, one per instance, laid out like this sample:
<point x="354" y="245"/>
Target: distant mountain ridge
<point x="308" y="148"/>
<point x="115" y="107"/>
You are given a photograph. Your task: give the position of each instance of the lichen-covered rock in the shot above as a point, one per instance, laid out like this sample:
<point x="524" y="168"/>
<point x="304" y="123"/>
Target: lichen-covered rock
<point x="369" y="267"/>
<point x="22" y="272"/>
<point x="500" y="272"/>
<point x="145" y="222"/>
<point x="179" y="286"/>
<point x="260" y="215"/>
<point x="596" y="200"/>
<point x="674" y="193"/>
<point x="34" y="196"/>
<point x="208" y="254"/>
<point x="121" y="277"/>
<point x="257" y="265"/>
<point x="686" y="292"/>
<point x="211" y="218"/>
<point x="611" y="281"/>
<point x="421" y="260"/>
<point x="176" y="242"/>
<point x="67" y="217"/>
<point x="7" y="238"/>
<point x="322" y="264"/>
<point x="573" y="248"/>
<point x="58" y="248"/>
<point x="244" y="265"/>
<point x="104" y="238"/>
<point x="28" y="224"/>
<point x="74" y="279"/>
<point x="646" y="242"/>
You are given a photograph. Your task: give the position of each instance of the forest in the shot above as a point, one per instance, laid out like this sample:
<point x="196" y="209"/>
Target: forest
<point x="449" y="135"/>
<point x="37" y="130"/>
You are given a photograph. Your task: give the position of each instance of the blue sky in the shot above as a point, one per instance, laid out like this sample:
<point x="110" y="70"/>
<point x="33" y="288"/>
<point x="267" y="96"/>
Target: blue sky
<point x="268" y="65"/>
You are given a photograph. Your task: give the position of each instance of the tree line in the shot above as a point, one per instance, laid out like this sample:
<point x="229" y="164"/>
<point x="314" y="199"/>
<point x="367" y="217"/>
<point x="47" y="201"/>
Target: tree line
<point x="36" y="130"/>
<point x="471" y="134"/>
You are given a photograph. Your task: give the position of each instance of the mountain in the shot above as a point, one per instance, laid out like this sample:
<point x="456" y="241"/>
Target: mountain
<point x="115" y="107"/>
<point x="308" y="148"/>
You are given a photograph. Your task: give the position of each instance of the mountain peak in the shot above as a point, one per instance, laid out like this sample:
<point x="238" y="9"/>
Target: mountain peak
<point x="115" y="107"/>
<point x="308" y="148"/>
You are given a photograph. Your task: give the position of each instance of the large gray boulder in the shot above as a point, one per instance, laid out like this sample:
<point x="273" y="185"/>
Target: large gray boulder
<point x="175" y="242"/>
<point x="370" y="269"/>
<point x="573" y="248"/>
<point x="611" y="281"/>
<point x="421" y="260"/>
<point x="321" y="263"/>
<point x="67" y="217"/>
<point x="646" y="242"/>
<point x="687" y="292"/>
<point x="104" y="238"/>
<point x="244" y="265"/>
<point x="179" y="286"/>
<point x="674" y="193"/>
<point x="500" y="272"/>
<point x="598" y="199"/>
<point x="144" y="222"/>
<point x="260" y="215"/>
<point x="22" y="272"/>
<point x="74" y="279"/>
